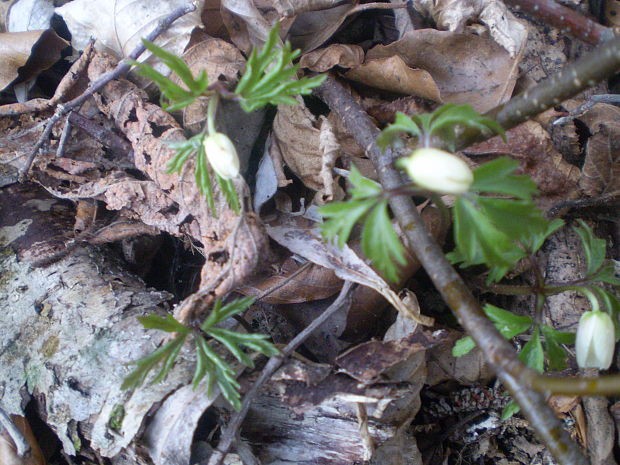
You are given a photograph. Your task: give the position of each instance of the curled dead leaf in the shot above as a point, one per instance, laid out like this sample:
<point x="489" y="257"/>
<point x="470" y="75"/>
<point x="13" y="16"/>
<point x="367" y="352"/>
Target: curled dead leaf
<point x="23" y="55"/>
<point x="393" y="74"/>
<point x="483" y="80"/>
<point x="324" y="59"/>
<point x="601" y="169"/>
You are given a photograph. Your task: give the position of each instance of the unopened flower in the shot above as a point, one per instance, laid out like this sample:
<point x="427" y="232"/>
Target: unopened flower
<point x="222" y="155"/>
<point x="595" y="340"/>
<point x="438" y="171"/>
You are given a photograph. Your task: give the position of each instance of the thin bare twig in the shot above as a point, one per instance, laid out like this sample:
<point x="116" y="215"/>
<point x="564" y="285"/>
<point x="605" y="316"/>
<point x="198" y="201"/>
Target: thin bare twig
<point x="515" y="376"/>
<point x="232" y="429"/>
<point x="66" y="131"/>
<point x="121" y="69"/>
<point x="566" y="20"/>
<point x="16" y="435"/>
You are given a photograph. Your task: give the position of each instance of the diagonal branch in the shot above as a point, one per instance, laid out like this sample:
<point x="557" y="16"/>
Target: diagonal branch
<point x="498" y="351"/>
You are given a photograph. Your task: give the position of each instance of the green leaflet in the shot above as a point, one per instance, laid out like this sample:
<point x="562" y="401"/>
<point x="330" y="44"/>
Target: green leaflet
<point x="380" y="243"/>
<point x="208" y="363"/>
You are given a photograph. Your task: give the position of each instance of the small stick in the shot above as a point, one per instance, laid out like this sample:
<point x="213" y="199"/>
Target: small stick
<point x="16" y="435"/>
<point x="106" y="137"/>
<point x="232" y="429"/>
<point x="566" y="20"/>
<point x="121" y="69"/>
<point x="66" y="131"/>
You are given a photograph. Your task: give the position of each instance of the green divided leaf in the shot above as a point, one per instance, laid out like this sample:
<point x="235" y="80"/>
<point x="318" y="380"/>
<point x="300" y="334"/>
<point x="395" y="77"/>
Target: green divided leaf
<point x="165" y="355"/>
<point x="463" y="346"/>
<point x="168" y="323"/>
<point x="381" y="244"/>
<point x="208" y="363"/>
<point x="507" y="323"/>
<point x="173" y="96"/>
<point x="497" y="232"/>
<point x="442" y="122"/>
<point x="594" y="250"/>
<point x="269" y="77"/>
<point x="556" y="355"/>
<point x="496" y="177"/>
<point x="402" y="124"/>
<point x="221" y="313"/>
<point x="479" y="241"/>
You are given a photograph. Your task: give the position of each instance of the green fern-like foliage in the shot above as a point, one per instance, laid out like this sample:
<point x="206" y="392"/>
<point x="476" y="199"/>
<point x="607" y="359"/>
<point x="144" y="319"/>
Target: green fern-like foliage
<point x="209" y="364"/>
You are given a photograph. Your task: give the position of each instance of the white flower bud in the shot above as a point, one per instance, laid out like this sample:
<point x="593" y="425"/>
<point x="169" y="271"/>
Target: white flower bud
<point x="222" y="155"/>
<point x="438" y="171"/>
<point x="595" y="340"/>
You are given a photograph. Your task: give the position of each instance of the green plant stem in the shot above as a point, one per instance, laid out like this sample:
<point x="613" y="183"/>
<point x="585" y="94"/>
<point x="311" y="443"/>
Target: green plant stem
<point x="603" y="385"/>
<point x="214" y="101"/>
<point x="498" y="352"/>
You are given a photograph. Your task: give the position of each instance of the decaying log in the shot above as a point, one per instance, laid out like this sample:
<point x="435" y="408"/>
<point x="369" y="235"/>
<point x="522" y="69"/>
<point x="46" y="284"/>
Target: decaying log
<point x="68" y="330"/>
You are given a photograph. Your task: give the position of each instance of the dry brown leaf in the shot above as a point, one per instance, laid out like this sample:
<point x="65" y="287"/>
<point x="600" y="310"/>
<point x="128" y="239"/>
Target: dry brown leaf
<point x="8" y="452"/>
<point x="483" y="79"/>
<point x="222" y="62"/>
<point x="245" y="24"/>
<point x="311" y="29"/>
<point x="324" y="59"/>
<point x="297" y="137"/>
<point x="347" y="265"/>
<point x="453" y="15"/>
<point x="393" y="74"/>
<point x="119" y="26"/>
<point x="26" y="54"/>
<point x="212" y="20"/>
<point x="367" y="361"/>
<point x="601" y="170"/>
<point x="532" y="146"/>
<point x="314" y="283"/>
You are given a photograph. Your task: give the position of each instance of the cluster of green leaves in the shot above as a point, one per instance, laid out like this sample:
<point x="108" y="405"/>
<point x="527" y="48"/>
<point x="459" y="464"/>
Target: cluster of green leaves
<point x="194" y="146"/>
<point x="537" y="351"/>
<point x="534" y="353"/>
<point x="442" y="123"/>
<point x="269" y="76"/>
<point x="498" y="231"/>
<point x="380" y="243"/>
<point x="208" y="363"/>
<point x="598" y="270"/>
<point x="172" y="96"/>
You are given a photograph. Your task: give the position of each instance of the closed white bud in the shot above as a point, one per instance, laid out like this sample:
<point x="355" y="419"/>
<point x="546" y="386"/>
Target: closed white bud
<point x="595" y="340"/>
<point x="222" y="155"/>
<point x="438" y="171"/>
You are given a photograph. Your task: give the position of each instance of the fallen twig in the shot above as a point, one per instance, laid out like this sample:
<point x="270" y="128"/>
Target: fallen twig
<point x="229" y="434"/>
<point x="121" y="69"/>
<point x="566" y="20"/>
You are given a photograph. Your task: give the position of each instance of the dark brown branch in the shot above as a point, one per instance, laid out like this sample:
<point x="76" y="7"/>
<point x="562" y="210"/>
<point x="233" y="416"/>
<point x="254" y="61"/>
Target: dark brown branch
<point x="515" y="376"/>
<point x="229" y="434"/>
<point x="121" y="69"/>
<point x="566" y="20"/>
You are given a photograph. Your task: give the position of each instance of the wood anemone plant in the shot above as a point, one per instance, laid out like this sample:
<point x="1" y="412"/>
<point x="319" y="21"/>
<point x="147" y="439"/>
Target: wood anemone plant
<point x="527" y="387"/>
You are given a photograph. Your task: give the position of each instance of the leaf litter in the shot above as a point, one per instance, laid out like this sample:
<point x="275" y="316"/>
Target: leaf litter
<point x="450" y="65"/>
